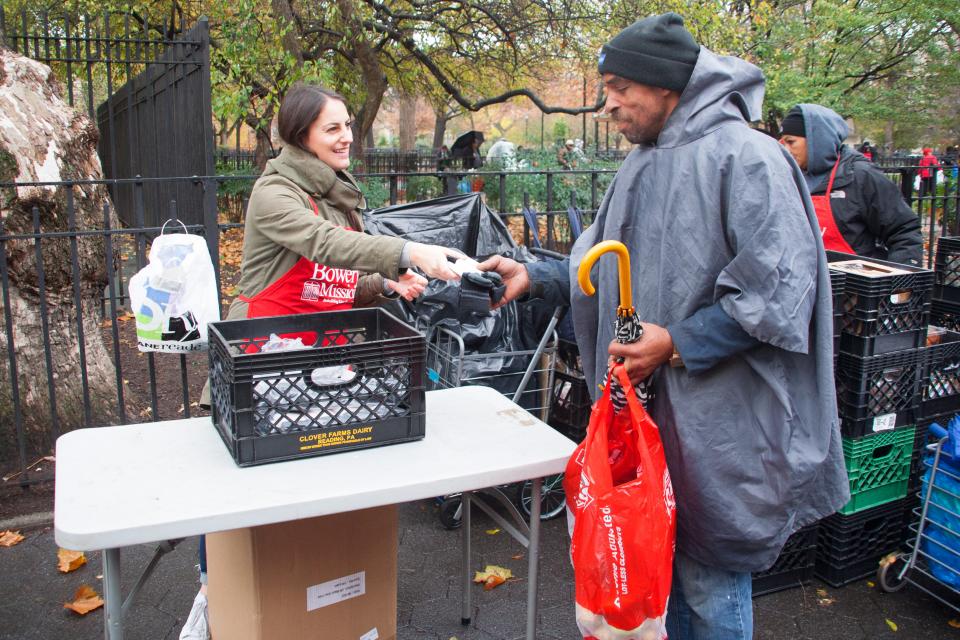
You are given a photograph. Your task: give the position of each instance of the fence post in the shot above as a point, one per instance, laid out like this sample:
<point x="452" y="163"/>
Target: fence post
<point x="211" y="230"/>
<point x="549" y="212"/>
<point x="45" y="324"/>
<point x="12" y="358"/>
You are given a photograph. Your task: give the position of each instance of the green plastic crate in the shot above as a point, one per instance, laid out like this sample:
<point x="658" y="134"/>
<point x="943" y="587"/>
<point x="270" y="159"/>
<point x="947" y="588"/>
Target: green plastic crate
<point x="878" y="466"/>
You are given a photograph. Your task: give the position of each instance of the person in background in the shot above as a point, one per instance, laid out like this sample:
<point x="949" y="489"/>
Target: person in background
<point x="566" y="155"/>
<point x="866" y="150"/>
<point x="859" y="210"/>
<point x="443" y="157"/>
<point x="730" y="276"/>
<point x="928" y="167"/>
<point x="304" y="249"/>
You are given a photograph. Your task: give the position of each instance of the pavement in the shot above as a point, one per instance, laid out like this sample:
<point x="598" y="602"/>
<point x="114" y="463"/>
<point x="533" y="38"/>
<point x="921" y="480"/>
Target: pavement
<point x="32" y="592"/>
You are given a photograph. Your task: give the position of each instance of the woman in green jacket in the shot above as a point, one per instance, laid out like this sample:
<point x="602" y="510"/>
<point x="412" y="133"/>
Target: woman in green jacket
<point x="304" y="249"/>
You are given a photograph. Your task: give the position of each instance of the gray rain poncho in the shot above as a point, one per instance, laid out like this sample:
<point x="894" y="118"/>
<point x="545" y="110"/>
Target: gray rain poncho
<point x="715" y="212"/>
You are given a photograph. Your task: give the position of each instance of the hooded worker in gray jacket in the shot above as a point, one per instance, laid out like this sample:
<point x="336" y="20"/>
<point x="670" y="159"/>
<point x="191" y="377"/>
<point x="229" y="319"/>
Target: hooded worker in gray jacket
<point x="730" y="275"/>
<point x="859" y="210"/>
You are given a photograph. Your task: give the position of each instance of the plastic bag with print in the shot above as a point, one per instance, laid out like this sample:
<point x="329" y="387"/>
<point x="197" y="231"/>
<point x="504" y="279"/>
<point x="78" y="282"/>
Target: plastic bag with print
<point x="623" y="523"/>
<point x="174" y="296"/>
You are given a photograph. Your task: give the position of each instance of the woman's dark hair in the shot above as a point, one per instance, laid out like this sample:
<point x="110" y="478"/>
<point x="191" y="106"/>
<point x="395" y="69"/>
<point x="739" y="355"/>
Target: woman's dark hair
<point x="300" y="107"/>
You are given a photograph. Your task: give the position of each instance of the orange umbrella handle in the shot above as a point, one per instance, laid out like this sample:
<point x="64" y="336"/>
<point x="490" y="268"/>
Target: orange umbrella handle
<point x="623" y="269"/>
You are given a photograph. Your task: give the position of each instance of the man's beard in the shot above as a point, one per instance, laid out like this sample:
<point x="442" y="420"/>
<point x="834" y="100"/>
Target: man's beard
<point x="640" y="135"/>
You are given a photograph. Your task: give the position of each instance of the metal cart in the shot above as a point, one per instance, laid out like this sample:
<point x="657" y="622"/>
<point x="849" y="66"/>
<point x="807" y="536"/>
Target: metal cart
<point x="449" y="365"/>
<point x="932" y="562"/>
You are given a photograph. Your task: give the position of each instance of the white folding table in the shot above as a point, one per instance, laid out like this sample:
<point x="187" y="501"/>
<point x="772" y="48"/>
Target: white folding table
<point x="162" y="481"/>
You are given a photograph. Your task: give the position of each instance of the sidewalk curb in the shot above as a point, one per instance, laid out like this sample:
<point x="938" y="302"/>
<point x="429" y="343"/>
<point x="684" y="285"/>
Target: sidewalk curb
<point x="31" y="520"/>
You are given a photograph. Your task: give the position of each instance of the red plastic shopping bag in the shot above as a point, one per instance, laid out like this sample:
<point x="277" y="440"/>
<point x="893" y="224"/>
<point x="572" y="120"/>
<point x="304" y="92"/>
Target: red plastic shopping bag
<point x="622" y="542"/>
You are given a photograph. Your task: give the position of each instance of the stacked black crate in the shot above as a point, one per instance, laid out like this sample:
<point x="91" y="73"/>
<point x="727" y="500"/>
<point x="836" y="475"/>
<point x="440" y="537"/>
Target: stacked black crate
<point x="571" y="404"/>
<point x="941" y="381"/>
<point x="885" y="310"/>
<point x="795" y="564"/>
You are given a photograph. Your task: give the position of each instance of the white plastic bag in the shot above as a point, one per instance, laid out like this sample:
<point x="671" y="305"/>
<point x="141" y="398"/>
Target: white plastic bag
<point x="174" y="297"/>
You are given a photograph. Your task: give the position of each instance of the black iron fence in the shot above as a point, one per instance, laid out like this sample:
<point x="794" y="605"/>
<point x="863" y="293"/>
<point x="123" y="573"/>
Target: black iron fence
<point x="145" y="85"/>
<point x="385" y="160"/>
<point x="148" y="387"/>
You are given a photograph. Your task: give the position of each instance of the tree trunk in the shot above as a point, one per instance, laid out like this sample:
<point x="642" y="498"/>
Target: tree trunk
<point x="45" y="140"/>
<point x="264" y="135"/>
<point x="439" y="129"/>
<point x="408" y="121"/>
<point x="368" y="63"/>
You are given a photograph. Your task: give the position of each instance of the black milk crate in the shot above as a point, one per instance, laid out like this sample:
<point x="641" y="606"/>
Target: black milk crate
<point x="947" y="269"/>
<point x="570" y="407"/>
<point x="878" y="392"/>
<point x="270" y="406"/>
<point x="941" y="379"/>
<point x="850" y="547"/>
<point x="794" y="565"/>
<point x="916" y="459"/>
<point x="946" y="314"/>
<point x="837" y="282"/>
<point x="885" y="305"/>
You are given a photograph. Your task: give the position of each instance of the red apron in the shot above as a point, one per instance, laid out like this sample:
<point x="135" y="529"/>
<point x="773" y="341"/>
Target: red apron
<point x="308" y="287"/>
<point x="832" y="238"/>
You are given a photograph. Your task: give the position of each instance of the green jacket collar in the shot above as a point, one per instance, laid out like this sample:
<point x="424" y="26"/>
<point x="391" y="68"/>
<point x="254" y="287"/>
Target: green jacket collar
<point x="317" y="178"/>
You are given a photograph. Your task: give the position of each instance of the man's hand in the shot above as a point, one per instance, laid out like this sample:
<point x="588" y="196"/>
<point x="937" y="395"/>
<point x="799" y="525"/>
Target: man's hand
<point x="645" y="355"/>
<point x="514" y="275"/>
<point x="432" y="260"/>
<point x="410" y="286"/>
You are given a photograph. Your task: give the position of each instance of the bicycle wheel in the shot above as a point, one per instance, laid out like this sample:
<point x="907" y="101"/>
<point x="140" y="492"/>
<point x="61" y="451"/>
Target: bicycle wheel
<point x="552" y="499"/>
<point x="451" y="512"/>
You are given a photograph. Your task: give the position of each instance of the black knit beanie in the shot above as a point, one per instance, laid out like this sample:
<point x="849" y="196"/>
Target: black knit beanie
<point x="656" y="51"/>
<point x="793" y="124"/>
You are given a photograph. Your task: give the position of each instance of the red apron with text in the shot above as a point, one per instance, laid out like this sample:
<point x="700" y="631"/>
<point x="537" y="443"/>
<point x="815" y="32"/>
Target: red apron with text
<point x="832" y="238"/>
<point x="308" y="287"/>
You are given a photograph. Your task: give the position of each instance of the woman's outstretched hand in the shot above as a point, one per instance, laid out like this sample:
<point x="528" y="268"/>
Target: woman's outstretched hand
<point x="409" y="286"/>
<point x="432" y="260"/>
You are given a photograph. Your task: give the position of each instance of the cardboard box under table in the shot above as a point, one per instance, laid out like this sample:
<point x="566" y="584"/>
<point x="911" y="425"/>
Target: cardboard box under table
<point x="164" y="481"/>
<point x="329" y="577"/>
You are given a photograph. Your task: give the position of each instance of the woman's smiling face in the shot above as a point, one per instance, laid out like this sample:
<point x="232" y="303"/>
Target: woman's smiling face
<point x="330" y="136"/>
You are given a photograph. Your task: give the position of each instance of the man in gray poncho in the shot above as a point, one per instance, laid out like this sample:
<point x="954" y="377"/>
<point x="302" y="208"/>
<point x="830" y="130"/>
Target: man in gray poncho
<point x="729" y="273"/>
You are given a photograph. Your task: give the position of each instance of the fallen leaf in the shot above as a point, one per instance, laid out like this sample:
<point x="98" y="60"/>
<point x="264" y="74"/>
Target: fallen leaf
<point x="124" y="317"/>
<point x="492" y="581"/>
<point x="492" y="576"/>
<point x="824" y="599"/>
<point x="70" y="560"/>
<point x="519" y="556"/>
<point x="870" y="584"/>
<point x="9" y="538"/>
<point x="85" y="600"/>
<point x="492" y="532"/>
<point x="953" y="622"/>
<point x="891" y="624"/>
